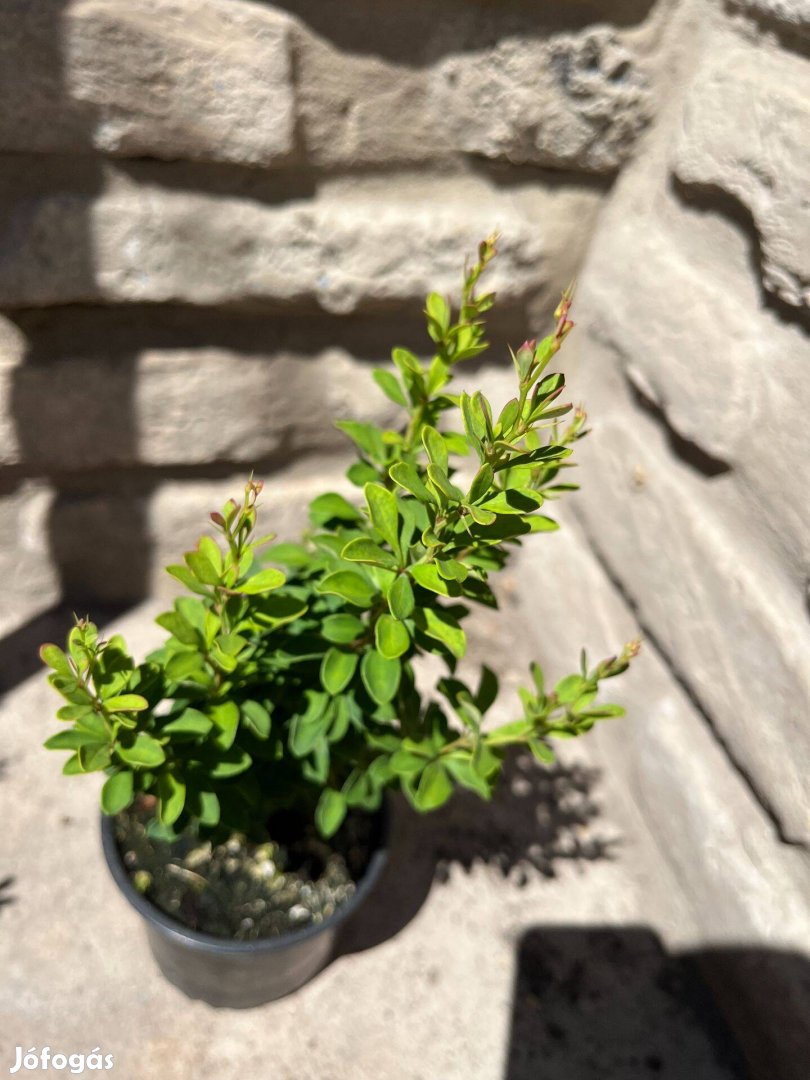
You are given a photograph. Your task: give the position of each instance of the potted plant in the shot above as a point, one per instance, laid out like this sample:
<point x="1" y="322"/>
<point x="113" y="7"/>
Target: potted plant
<point x="246" y="759"/>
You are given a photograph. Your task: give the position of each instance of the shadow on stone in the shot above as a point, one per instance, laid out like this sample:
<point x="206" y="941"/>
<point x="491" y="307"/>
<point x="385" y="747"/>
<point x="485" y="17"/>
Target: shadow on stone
<point x="6" y="883"/>
<point x="6" y="896"/>
<point x="408" y="32"/>
<point x="610" y="1003"/>
<point x="538" y="818"/>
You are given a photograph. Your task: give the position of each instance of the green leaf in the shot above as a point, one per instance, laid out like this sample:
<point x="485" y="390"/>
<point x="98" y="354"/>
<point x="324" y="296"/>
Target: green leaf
<point x="210" y="549"/>
<point x="172" y="795"/>
<point x="309" y="727"/>
<point x="537" y="676"/>
<point x="337" y="669"/>
<point x="292" y="555"/>
<point x="389" y="384"/>
<point x="367" y="437"/>
<point x="452" y="569"/>
<point x="342" y="629"/>
<point x="207" y="808"/>
<point x="407" y="477"/>
<point x="380" y="676"/>
<point x="400" y="598"/>
<point x="126" y="703"/>
<point x="230" y="763"/>
<point x="263" y="582"/>
<point x="94" y="756"/>
<point x="223" y="660"/>
<point x="509" y="415"/>
<point x="363" y="550"/>
<point x="73" y="712"/>
<point x="193" y="611"/>
<point x="118" y="792"/>
<point x="544" y="754"/>
<point x="184" y="663"/>
<point x="274" y="610"/>
<point x="541" y="523"/>
<point x="360" y="473"/>
<point x="72" y="740"/>
<point x="441" y="626"/>
<point x="189" y="725"/>
<point x="174" y="622"/>
<point x="55" y="658"/>
<point x="482" y="482"/>
<point x="426" y="575"/>
<point x="225" y="715"/>
<point x="440" y="481"/>
<point x="406" y="763"/>
<point x="72" y="767"/>
<point x="461" y="769"/>
<point x="512" y="502"/>
<point x="480" y="516"/>
<point x="570" y="688"/>
<point x="256" y="718"/>
<point x="435" y="446"/>
<point x="330" y="812"/>
<point x="515" y="731"/>
<point x="202" y="567"/>
<point x="231" y="644"/>
<point x="474" y="423"/>
<point x="504" y="527"/>
<point x="382" y="506"/>
<point x="144" y="753"/>
<point x="438" y="313"/>
<point x="603" y="712"/>
<point x="406" y="361"/>
<point x="349" y="586"/>
<point x="185" y="577"/>
<point x="391" y="637"/>
<point x="435" y="787"/>
<point x="534" y="457"/>
<point x="332" y="506"/>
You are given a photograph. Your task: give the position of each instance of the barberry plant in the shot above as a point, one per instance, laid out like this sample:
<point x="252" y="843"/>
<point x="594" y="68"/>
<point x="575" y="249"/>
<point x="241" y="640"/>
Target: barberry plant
<point x="287" y="676"/>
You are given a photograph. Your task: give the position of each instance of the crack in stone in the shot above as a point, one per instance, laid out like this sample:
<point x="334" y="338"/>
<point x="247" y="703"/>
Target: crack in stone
<point x="710" y="198"/>
<point x="682" y="681"/>
<point x="686" y="450"/>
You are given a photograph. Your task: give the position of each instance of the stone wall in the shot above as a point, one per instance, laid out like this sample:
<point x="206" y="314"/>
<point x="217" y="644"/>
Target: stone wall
<point x="216" y="214"/>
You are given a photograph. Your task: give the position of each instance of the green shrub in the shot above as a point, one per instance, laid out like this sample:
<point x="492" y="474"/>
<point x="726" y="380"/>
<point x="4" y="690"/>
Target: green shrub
<point x="296" y="689"/>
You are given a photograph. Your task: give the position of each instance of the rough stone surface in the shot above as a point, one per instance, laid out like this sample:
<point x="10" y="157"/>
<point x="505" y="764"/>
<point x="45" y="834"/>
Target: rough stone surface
<point x="691" y="577"/>
<point x="739" y="149"/>
<point x="233" y="81"/>
<point x="247" y="409"/>
<point x="158" y="78"/>
<point x="663" y="754"/>
<point x="357" y="244"/>
<point x="360" y="110"/>
<point x="574" y="100"/>
<point x="29" y="577"/>
<point x="214" y="216"/>
<point x="790" y="14"/>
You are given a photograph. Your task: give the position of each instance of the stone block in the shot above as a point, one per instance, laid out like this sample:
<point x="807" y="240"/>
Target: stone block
<point x="30" y="582"/>
<point x="181" y="407"/>
<point x="359" y="244"/>
<point x="727" y="614"/>
<point x="157" y="78"/>
<point x="745" y="124"/>
<point x="576" y="101"/>
<point x="790" y="15"/>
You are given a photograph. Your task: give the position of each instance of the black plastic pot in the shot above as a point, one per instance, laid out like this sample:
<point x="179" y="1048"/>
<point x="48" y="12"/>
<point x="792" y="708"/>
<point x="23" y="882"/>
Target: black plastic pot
<point x="239" y="974"/>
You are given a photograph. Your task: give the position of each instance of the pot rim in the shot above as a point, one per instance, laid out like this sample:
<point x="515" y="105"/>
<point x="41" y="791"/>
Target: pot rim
<point x="199" y="940"/>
